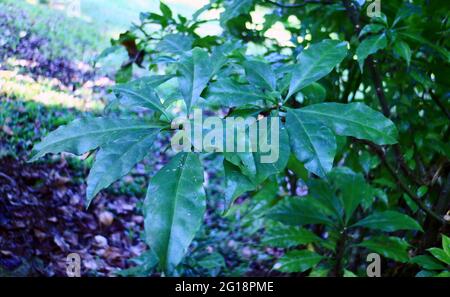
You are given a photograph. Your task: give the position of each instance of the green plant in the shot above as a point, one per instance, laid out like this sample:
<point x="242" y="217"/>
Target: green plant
<point x="370" y="185"/>
<point x="438" y="263"/>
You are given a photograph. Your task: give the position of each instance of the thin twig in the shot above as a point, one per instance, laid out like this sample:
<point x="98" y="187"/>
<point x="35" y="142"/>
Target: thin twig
<point x="382" y="155"/>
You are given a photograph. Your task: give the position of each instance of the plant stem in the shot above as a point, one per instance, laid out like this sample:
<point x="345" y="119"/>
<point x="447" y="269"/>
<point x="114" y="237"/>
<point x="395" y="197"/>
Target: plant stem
<point x="381" y="154"/>
<point x="338" y="269"/>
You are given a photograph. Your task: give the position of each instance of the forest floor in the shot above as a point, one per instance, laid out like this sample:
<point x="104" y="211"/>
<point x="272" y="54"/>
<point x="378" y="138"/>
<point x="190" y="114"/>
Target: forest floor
<point x="42" y="212"/>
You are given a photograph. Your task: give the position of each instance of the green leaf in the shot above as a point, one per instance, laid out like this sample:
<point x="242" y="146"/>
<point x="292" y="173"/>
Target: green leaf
<point x="165" y="10"/>
<point x="212" y="261"/>
<point x="234" y="9"/>
<point x="141" y="93"/>
<point x="220" y="54"/>
<point x="323" y="192"/>
<point x="389" y="221"/>
<point x="236" y="183"/>
<point x="390" y="247"/>
<point x="315" y="63"/>
<point x="312" y="143"/>
<point x="353" y="189"/>
<point x="440" y="254"/>
<point x="371" y="28"/>
<point x="444" y="274"/>
<point x="195" y="70"/>
<point x="288" y="236"/>
<point x="228" y="93"/>
<point x="298" y="211"/>
<point x="427" y="262"/>
<point x="271" y="167"/>
<point x="124" y="74"/>
<point x="369" y="46"/>
<point x="298" y="261"/>
<point x="353" y="119"/>
<point x="446" y="244"/>
<point x="348" y="273"/>
<point x="177" y="44"/>
<point x="117" y="158"/>
<point x="260" y="74"/>
<point x="402" y="49"/>
<point x="315" y="93"/>
<point x="145" y="264"/>
<point x="174" y="208"/>
<point x="85" y="134"/>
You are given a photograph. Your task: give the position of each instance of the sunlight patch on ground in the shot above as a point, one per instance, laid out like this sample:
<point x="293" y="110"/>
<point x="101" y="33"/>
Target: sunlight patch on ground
<point x="44" y="91"/>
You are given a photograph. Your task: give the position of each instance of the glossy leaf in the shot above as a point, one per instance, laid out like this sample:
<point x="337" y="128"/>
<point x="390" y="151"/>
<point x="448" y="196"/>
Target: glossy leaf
<point x="402" y="49"/>
<point x="288" y="236"/>
<point x="316" y="62"/>
<point x="83" y="135"/>
<point x="389" y="221"/>
<point x="353" y="119"/>
<point x="174" y="208"/>
<point x="440" y="254"/>
<point x="427" y="262"/>
<point x="260" y="74"/>
<point x="228" y="93"/>
<point x="312" y="143"/>
<point x="195" y="72"/>
<point x="142" y="93"/>
<point x="353" y="189"/>
<point x="236" y="183"/>
<point x="177" y="44"/>
<point x="389" y="247"/>
<point x="117" y="158"/>
<point x="297" y="211"/>
<point x="298" y="261"/>
<point x="369" y="46"/>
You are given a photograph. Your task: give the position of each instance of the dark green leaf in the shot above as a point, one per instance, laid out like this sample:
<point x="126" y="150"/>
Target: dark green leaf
<point x="353" y="119"/>
<point x="174" y="208"/>
<point x="390" y="247"/>
<point x="298" y="261"/>
<point x="288" y="236"/>
<point x="312" y="143"/>
<point x="316" y="62"/>
<point x="228" y="93"/>
<point x="369" y="46"/>
<point x="260" y="74"/>
<point x="195" y="70"/>
<point x="117" y="158"/>
<point x="402" y="49"/>
<point x="440" y="254"/>
<point x="389" y="221"/>
<point x="299" y="211"/>
<point x="141" y="93"/>
<point x="427" y="262"/>
<point x="236" y="183"/>
<point x="83" y="135"/>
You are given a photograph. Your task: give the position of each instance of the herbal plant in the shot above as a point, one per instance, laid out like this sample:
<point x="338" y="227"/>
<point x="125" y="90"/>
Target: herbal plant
<point x="369" y="180"/>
